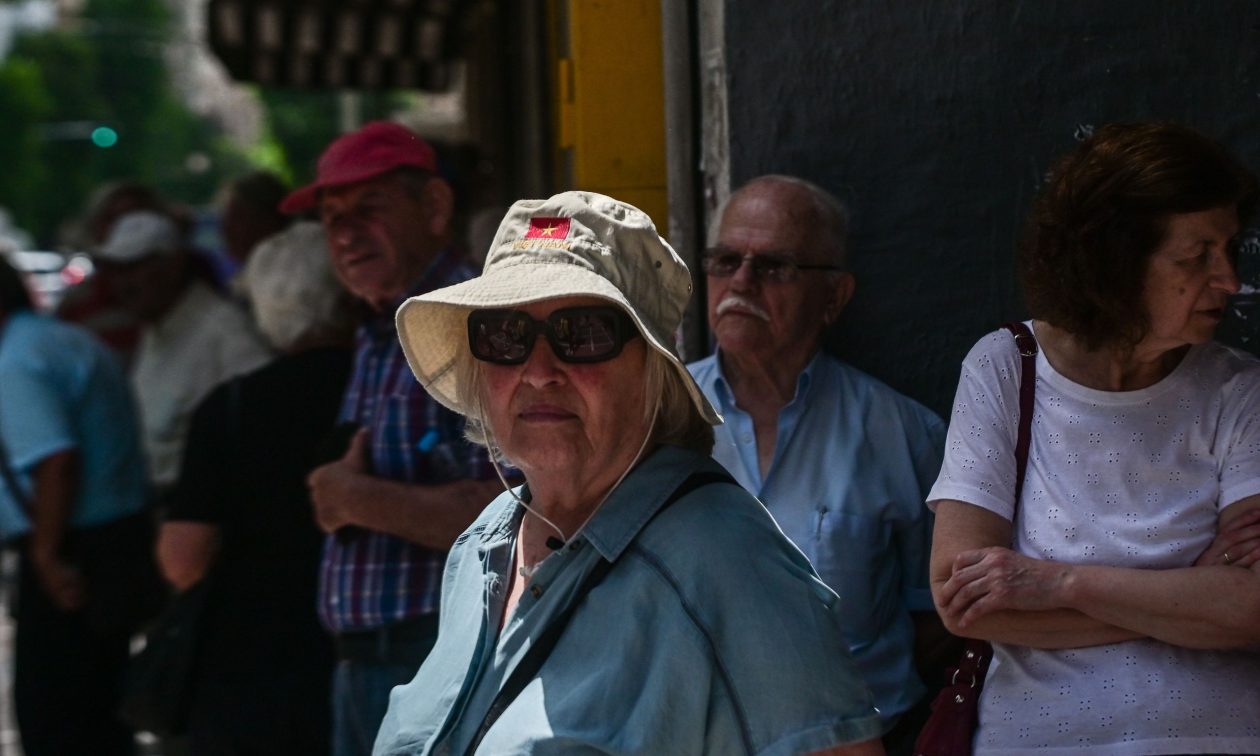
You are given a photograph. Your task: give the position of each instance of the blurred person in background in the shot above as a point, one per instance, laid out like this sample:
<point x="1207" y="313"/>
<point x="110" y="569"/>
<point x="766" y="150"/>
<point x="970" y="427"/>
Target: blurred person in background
<point x="241" y="513"/>
<point x="251" y="213"/>
<point x="72" y="499"/>
<point x="192" y="339"/>
<point x="409" y="483"/>
<point x="91" y="304"/>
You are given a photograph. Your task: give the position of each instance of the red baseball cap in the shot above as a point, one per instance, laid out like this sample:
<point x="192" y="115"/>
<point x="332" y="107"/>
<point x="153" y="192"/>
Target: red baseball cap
<point x="377" y="148"/>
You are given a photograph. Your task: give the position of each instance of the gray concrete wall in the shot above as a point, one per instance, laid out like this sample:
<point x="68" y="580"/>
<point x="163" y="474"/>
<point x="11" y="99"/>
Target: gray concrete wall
<point x="935" y="122"/>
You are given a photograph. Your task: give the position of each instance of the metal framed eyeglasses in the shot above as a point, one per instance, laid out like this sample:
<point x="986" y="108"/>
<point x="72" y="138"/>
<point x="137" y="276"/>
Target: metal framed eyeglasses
<point x="723" y="262"/>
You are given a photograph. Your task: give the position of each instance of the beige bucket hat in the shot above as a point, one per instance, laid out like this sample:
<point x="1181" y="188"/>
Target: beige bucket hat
<point x="573" y="244"/>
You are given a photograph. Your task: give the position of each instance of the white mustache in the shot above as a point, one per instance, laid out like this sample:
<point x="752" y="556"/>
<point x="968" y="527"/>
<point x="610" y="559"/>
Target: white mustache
<point x="745" y="306"/>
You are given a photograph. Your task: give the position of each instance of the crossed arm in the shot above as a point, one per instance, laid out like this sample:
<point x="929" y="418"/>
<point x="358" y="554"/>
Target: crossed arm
<point x="984" y="590"/>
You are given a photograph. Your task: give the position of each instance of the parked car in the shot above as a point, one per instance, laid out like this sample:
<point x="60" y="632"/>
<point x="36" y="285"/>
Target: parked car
<point x="49" y="274"/>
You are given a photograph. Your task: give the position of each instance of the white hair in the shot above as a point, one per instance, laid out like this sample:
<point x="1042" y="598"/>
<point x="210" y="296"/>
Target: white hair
<point x="831" y="217"/>
<point x="292" y="290"/>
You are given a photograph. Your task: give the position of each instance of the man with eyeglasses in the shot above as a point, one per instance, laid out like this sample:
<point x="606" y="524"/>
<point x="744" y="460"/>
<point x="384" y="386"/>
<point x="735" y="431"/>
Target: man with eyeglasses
<point x="409" y="483"/>
<point x="842" y="461"/>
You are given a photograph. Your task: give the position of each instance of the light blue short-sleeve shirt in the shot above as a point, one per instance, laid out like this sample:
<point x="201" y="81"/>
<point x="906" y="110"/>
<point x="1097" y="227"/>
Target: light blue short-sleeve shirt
<point x="61" y="389"/>
<point x="711" y="635"/>
<point x="851" y="470"/>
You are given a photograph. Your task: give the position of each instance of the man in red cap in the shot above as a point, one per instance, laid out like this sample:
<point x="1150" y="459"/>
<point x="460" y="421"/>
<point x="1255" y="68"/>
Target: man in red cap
<point x="409" y="483"/>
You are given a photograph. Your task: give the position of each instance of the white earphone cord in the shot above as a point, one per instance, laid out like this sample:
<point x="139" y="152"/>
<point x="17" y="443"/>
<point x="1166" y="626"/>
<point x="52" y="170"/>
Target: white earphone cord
<point x="539" y="515"/>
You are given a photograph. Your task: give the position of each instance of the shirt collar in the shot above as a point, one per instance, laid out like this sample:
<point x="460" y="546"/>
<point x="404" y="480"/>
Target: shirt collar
<point x="626" y="511"/>
<point x="726" y="398"/>
<point x="638" y="498"/>
<point x="502" y="526"/>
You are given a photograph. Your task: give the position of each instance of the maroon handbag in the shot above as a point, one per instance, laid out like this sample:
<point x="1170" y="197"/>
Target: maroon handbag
<point x="950" y="728"/>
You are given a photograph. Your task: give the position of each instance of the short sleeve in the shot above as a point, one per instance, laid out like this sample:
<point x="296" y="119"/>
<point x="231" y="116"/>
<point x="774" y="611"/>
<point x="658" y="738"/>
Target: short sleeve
<point x="979" y="462"/>
<point x="914" y="540"/>
<point x="38" y="407"/>
<point x="1240" y="466"/>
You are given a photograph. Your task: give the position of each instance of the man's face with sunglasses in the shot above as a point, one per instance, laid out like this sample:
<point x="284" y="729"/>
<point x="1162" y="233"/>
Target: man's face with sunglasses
<point x="771" y="290"/>
<point x="564" y="385"/>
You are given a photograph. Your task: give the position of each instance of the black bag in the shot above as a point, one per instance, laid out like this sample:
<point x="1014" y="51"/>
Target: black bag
<point x="158" y="684"/>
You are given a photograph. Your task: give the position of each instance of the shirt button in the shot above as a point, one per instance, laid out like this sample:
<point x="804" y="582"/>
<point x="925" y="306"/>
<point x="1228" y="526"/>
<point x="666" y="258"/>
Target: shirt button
<point x="746" y="438"/>
<point x="536" y="591"/>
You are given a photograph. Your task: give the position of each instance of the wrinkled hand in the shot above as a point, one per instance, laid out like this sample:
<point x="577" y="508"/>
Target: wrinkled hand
<point x="61" y="581"/>
<point x="996" y="579"/>
<point x="1240" y="540"/>
<point x="333" y="486"/>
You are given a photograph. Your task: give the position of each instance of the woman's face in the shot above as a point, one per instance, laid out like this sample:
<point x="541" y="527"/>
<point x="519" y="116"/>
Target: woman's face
<point x="1189" y="279"/>
<point x="583" y="422"/>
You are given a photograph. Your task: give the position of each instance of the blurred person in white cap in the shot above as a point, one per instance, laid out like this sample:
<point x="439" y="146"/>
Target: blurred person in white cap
<point x="90" y="303"/>
<point x="241" y="513"/>
<point x="192" y="339"/>
<point x="409" y="482"/>
<point x="630" y="597"/>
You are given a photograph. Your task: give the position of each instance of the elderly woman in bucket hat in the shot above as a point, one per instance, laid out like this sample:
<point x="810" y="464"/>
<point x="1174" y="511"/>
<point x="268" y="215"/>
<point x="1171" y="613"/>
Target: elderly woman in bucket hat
<point x="629" y="598"/>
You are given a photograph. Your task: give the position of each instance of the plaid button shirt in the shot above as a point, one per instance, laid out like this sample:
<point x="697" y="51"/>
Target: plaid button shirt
<point x="367" y="578"/>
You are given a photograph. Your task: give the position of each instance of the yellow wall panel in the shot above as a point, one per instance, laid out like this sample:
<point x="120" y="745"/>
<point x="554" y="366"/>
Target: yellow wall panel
<point x="610" y="110"/>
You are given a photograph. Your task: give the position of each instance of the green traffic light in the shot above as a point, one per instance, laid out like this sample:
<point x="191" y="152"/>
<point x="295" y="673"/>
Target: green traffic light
<point x="104" y="136"/>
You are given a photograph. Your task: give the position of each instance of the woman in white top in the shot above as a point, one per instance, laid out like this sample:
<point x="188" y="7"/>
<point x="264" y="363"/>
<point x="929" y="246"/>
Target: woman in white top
<point x="1123" y="602"/>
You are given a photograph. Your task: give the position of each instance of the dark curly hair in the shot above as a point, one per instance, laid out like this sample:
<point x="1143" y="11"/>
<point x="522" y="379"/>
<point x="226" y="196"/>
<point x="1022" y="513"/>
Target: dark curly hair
<point x="1105" y="210"/>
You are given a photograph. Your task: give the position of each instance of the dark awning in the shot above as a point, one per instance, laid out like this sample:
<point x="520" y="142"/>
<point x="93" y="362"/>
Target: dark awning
<point x="351" y="44"/>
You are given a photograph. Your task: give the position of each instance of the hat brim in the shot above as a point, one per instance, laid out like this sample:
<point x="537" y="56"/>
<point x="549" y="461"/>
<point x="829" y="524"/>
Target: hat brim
<point x="433" y="327"/>
<point x="301" y="200"/>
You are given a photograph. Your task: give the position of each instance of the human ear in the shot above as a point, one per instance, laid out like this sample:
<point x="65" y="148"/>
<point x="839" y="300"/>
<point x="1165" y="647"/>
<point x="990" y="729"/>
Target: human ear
<point x="439" y="204"/>
<point x="841" y="292"/>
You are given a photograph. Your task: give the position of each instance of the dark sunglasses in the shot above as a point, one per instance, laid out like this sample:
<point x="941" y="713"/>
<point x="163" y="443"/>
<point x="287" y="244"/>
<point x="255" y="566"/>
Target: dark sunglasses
<point x="576" y="334"/>
<point x="721" y="262"/>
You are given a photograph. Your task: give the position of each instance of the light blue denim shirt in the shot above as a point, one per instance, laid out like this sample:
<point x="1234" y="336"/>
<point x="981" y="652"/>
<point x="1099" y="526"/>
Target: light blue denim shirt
<point x="851" y="470"/>
<point x="61" y="389"/>
<point x="711" y="635"/>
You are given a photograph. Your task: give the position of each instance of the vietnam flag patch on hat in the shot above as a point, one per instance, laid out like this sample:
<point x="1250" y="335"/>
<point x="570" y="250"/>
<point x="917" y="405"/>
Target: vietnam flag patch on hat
<point x="548" y="228"/>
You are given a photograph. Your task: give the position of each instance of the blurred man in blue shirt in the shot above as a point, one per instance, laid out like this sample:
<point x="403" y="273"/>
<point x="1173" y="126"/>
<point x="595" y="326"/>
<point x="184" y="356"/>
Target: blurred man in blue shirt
<point x="842" y="461"/>
<point x="73" y="480"/>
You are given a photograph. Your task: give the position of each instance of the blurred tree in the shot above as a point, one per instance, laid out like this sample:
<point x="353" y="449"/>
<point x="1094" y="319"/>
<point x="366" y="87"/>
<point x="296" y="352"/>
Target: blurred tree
<point x="68" y="164"/>
<point x="110" y="70"/>
<point x="303" y="122"/>
<point x="24" y="104"/>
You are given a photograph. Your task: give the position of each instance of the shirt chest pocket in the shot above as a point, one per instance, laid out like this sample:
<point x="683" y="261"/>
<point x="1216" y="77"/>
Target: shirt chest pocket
<point x="849" y="552"/>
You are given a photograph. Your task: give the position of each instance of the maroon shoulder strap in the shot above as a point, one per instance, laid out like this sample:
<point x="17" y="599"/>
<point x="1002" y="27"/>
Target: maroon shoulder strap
<point x="1027" y="346"/>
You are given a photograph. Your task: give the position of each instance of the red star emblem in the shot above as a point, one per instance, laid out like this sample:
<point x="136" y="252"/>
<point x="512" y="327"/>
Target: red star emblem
<point x="548" y="228"/>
